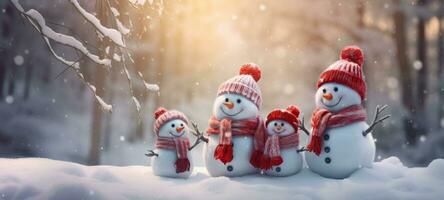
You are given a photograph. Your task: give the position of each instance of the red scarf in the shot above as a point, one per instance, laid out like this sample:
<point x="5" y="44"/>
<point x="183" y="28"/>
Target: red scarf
<point x="322" y="119"/>
<point x="273" y="146"/>
<point x="228" y="128"/>
<point x="181" y="146"/>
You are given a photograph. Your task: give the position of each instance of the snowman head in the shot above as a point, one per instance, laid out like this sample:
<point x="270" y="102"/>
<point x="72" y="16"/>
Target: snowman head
<point x="282" y="122"/>
<point x="170" y="123"/>
<point x="174" y="129"/>
<point x="234" y="106"/>
<point x="280" y="128"/>
<point x="342" y="83"/>
<point x="335" y="97"/>
<point x="239" y="97"/>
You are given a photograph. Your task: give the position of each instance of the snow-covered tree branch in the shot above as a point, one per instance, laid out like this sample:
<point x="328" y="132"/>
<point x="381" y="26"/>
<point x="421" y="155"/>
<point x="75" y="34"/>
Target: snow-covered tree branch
<point x="113" y="34"/>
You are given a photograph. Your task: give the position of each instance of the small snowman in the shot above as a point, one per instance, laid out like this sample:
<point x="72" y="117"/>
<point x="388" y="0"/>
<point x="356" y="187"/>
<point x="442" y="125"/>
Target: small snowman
<point x="281" y="156"/>
<point x="172" y="145"/>
<point x="341" y="141"/>
<point x="236" y="131"/>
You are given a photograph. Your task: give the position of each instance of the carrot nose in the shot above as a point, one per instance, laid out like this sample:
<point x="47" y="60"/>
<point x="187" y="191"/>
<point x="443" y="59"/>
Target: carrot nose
<point x="328" y="96"/>
<point x="229" y="105"/>
<point x="179" y="129"/>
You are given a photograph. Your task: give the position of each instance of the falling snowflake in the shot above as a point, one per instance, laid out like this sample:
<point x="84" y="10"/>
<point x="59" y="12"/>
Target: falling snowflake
<point x="422" y="138"/>
<point x="19" y="60"/>
<point x="9" y="99"/>
<point x="417" y="65"/>
<point x="262" y="7"/>
<point x="122" y="138"/>
<point x="288" y="89"/>
<point x="392" y="82"/>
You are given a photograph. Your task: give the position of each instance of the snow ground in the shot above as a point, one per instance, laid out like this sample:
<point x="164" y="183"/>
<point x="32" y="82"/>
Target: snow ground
<point x="38" y="178"/>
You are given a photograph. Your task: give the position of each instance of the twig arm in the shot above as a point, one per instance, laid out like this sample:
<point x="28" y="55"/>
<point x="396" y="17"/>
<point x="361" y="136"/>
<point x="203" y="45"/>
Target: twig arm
<point x="151" y="153"/>
<point x="195" y="144"/>
<point x="301" y="150"/>
<point x="198" y="133"/>
<point x="376" y="119"/>
<point x="302" y="127"/>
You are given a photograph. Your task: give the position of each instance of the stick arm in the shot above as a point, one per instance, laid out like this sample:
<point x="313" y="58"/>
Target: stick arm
<point x="151" y="153"/>
<point x="199" y="136"/>
<point x="376" y="119"/>
<point x="302" y="126"/>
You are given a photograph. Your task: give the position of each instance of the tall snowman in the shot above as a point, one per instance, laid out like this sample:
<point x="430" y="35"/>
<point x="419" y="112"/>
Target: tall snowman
<point x="341" y="141"/>
<point x="281" y="155"/>
<point x="236" y="132"/>
<point x="171" y="157"/>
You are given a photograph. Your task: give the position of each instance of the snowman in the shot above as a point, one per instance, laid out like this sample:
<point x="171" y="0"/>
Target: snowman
<point x="171" y="157"/>
<point x="281" y="156"/>
<point x="341" y="141"/>
<point x="236" y="131"/>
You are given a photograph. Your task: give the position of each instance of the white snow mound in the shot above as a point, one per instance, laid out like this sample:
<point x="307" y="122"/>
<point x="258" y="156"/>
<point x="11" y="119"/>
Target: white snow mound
<point x="38" y="178"/>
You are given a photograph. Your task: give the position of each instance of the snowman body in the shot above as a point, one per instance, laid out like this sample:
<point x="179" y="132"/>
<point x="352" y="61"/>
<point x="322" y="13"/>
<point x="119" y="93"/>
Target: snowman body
<point x="344" y="149"/>
<point x="240" y="165"/>
<point x="292" y="163"/>
<point x="292" y="159"/>
<point x="242" y="145"/>
<point x="164" y="163"/>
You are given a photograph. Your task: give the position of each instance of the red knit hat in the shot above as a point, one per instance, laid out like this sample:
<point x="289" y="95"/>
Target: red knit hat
<point x="289" y="115"/>
<point x="245" y="84"/>
<point x="346" y="71"/>
<point x="163" y="116"/>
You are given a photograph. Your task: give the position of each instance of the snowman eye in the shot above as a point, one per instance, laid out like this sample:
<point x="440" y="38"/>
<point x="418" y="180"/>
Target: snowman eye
<point x="335" y="89"/>
<point x="239" y="101"/>
<point x="181" y="125"/>
<point x="282" y="124"/>
<point x="275" y="124"/>
<point x="173" y="125"/>
<point x="227" y="100"/>
<point x="324" y="90"/>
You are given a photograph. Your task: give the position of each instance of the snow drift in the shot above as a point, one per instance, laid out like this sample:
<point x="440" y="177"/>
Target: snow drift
<point x="38" y="178"/>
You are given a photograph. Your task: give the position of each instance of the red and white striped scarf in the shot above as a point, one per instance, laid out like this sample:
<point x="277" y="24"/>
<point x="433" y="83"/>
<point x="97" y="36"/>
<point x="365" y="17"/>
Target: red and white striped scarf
<point x="228" y="128"/>
<point x="181" y="146"/>
<point x="322" y="119"/>
<point x="273" y="146"/>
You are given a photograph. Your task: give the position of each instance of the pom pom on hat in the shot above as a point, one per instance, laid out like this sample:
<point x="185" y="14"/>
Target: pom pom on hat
<point x="245" y="84"/>
<point x="293" y="110"/>
<point x="160" y="111"/>
<point x="251" y="69"/>
<point x="352" y="54"/>
<point x="346" y="71"/>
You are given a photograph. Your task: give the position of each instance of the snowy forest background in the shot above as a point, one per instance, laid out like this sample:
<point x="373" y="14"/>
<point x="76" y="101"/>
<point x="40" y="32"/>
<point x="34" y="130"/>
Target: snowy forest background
<point x="188" y="48"/>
